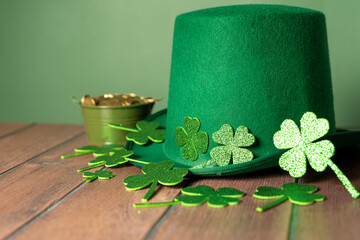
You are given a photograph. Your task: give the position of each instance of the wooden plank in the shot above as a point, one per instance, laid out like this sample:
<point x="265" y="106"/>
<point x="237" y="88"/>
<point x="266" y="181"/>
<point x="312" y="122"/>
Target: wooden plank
<point x="18" y="148"/>
<point x="34" y="186"/>
<point x="232" y="222"/>
<point x="8" y="128"/>
<point x="101" y="210"/>
<point x="338" y="217"/>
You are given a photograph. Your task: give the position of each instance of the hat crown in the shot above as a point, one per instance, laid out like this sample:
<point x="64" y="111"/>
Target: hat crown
<point x="248" y="65"/>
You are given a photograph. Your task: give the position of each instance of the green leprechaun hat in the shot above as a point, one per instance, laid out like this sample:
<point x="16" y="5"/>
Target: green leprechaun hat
<point x="244" y="65"/>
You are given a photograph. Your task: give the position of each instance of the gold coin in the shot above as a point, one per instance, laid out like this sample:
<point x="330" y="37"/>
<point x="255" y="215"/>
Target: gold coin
<point x="87" y="100"/>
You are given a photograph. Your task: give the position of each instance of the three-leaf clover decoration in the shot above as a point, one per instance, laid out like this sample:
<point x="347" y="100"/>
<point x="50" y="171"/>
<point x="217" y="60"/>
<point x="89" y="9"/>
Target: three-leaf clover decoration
<point x="191" y="140"/>
<point x="101" y="174"/>
<point x="95" y="150"/>
<point x="155" y="173"/>
<point x="296" y="193"/>
<point x="232" y="145"/>
<point x="195" y="196"/>
<point x="302" y="147"/>
<point x="144" y="132"/>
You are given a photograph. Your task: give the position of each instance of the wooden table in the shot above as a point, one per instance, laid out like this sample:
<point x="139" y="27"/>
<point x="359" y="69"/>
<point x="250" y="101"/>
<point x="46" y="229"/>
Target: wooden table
<point x="43" y="197"/>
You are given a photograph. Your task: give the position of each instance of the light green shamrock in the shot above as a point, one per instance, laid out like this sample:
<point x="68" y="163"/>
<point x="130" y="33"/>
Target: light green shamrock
<point x="302" y="147"/>
<point x="191" y="139"/>
<point x="232" y="145"/>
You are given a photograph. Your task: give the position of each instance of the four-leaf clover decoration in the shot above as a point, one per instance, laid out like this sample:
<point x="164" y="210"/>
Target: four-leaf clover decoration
<point x="302" y="147"/>
<point x="296" y="193"/>
<point x="232" y="145"/>
<point x="145" y="131"/>
<point x="101" y="174"/>
<point x="195" y="196"/>
<point x="95" y="150"/>
<point x="155" y="173"/>
<point x="191" y="139"/>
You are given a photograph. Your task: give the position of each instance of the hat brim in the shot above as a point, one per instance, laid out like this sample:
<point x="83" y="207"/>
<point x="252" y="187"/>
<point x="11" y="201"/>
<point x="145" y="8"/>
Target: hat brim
<point x="155" y="152"/>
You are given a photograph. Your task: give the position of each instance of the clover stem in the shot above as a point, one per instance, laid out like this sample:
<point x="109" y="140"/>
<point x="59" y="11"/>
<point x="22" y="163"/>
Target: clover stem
<point x="143" y="205"/>
<point x="204" y="164"/>
<point x="150" y="192"/>
<point x="91" y="179"/>
<point x="74" y="154"/>
<point x="90" y="167"/>
<point x="344" y="180"/>
<point x="138" y="161"/>
<point x="272" y="204"/>
<point x="119" y="126"/>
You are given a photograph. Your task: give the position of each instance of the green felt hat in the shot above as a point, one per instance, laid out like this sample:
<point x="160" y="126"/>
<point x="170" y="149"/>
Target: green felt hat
<point x="246" y="65"/>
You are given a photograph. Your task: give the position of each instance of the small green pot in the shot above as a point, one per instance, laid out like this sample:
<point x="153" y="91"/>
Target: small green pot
<point x="96" y="119"/>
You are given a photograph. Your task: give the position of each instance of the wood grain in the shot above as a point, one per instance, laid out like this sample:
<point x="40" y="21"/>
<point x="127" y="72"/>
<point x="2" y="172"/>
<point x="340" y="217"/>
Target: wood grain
<point x="101" y="210"/>
<point x="34" y="186"/>
<point x="8" y="128"/>
<point x="338" y="217"/>
<point x="18" y="148"/>
<point x="232" y="222"/>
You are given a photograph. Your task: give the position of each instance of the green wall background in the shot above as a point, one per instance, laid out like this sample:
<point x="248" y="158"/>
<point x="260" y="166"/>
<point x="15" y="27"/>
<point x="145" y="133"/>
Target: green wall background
<point x="51" y="50"/>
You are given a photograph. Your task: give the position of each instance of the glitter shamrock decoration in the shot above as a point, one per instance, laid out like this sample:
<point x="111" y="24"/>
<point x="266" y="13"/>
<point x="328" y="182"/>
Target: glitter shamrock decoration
<point x="95" y="150"/>
<point x="302" y="147"/>
<point x="195" y="196"/>
<point x="232" y="145"/>
<point x="155" y="173"/>
<point x="144" y="132"/>
<point x="119" y="157"/>
<point x="101" y="174"/>
<point x="296" y="193"/>
<point x="191" y="139"/>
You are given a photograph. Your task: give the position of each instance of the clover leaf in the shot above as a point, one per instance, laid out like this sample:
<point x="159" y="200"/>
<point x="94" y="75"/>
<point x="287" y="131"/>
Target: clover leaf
<point x="302" y="147"/>
<point x="195" y="196"/>
<point x="95" y="150"/>
<point x="232" y="145"/>
<point x="296" y="193"/>
<point x="191" y="139"/>
<point x="155" y="173"/>
<point x="101" y="174"/>
<point x="144" y="132"/>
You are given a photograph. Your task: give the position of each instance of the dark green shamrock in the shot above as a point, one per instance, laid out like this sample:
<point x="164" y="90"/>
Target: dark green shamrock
<point x="155" y="173"/>
<point x="191" y="139"/>
<point x="296" y="193"/>
<point x="302" y="147"/>
<point x="95" y="150"/>
<point x="91" y="176"/>
<point x="145" y="131"/>
<point x="119" y="157"/>
<point x="195" y="196"/>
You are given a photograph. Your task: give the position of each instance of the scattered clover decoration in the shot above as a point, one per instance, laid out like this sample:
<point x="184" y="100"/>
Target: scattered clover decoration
<point x="195" y="196"/>
<point x="95" y="150"/>
<point x="119" y="157"/>
<point x="296" y="193"/>
<point x="232" y="145"/>
<point x="144" y="132"/>
<point x="155" y="173"/>
<point x="191" y="140"/>
<point x="302" y="147"/>
<point x="101" y="174"/>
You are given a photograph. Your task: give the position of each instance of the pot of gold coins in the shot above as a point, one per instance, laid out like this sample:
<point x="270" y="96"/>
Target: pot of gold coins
<point x="124" y="109"/>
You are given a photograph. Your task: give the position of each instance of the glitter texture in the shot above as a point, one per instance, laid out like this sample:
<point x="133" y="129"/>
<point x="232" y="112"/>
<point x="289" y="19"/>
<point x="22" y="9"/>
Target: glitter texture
<point x="232" y="145"/>
<point x="302" y="147"/>
<point x="191" y="139"/>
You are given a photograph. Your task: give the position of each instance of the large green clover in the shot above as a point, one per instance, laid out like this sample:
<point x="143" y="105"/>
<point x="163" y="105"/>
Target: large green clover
<point x="296" y="193"/>
<point x="232" y="145"/>
<point x="155" y="173"/>
<point x="302" y="147"/>
<point x="195" y="196"/>
<point x="145" y="131"/>
<point x="95" y="150"/>
<point x="191" y="139"/>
